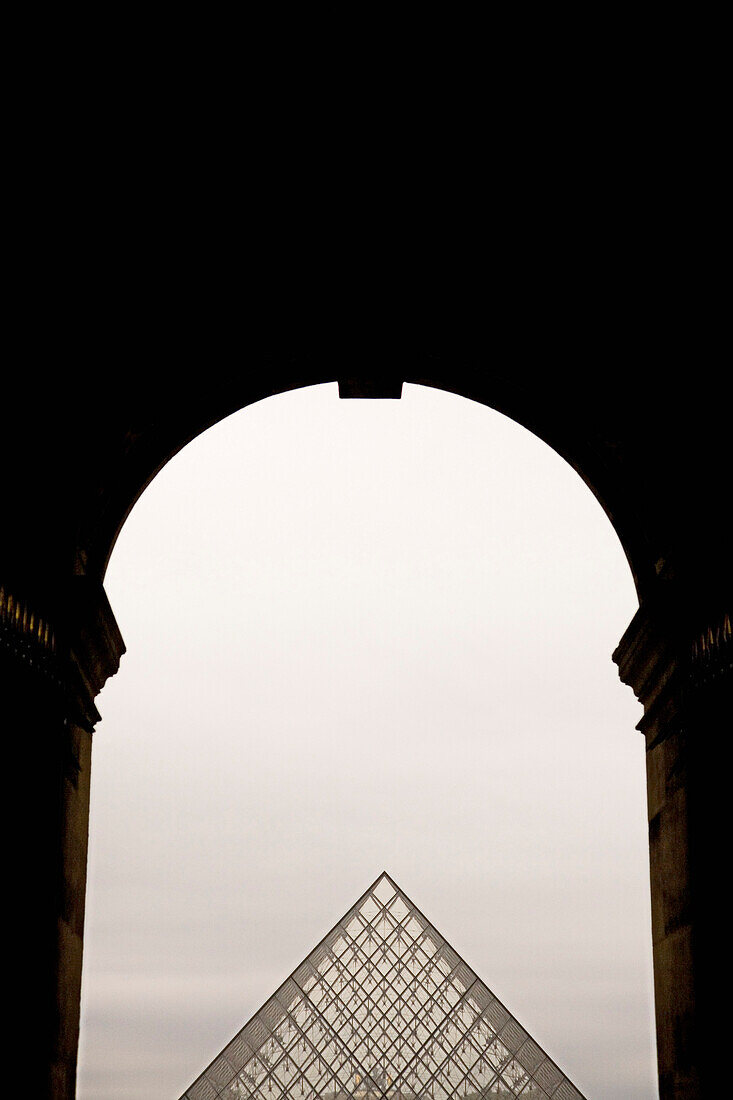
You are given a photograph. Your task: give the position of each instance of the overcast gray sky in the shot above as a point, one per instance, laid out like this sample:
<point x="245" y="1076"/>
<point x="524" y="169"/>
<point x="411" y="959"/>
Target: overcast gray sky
<point x="365" y="636"/>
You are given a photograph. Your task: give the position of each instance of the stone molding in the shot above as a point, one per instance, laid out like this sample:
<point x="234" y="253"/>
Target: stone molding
<point x="74" y="649"/>
<point x="95" y="649"/>
<point x="712" y="650"/>
<point x="26" y="635"/>
<point x="672" y="651"/>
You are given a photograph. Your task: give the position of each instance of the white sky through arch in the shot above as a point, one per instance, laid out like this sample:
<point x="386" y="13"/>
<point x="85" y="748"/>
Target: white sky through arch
<point x="365" y="635"/>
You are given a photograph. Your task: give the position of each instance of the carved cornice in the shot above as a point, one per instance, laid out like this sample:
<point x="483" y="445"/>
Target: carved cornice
<point x="712" y="650"/>
<point x="75" y="655"/>
<point x="27" y="636"/>
<point x="672" y="652"/>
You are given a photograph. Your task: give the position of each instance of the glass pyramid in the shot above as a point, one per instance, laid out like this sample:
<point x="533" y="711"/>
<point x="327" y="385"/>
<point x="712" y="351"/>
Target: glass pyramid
<point x="383" y="1007"/>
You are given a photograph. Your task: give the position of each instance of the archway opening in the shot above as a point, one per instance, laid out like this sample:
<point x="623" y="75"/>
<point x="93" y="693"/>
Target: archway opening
<point x="366" y="634"/>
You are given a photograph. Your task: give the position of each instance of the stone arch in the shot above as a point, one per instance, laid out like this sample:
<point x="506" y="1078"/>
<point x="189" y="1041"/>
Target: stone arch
<point x="656" y="457"/>
<point x="549" y="457"/>
<point x="150" y="450"/>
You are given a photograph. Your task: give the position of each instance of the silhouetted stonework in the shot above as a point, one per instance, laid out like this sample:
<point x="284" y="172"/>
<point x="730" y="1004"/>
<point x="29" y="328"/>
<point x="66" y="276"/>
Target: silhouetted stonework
<point x="657" y="458"/>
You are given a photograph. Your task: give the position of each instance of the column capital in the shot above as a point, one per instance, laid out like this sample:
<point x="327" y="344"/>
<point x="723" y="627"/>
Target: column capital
<point x="676" y="647"/>
<point x="67" y="641"/>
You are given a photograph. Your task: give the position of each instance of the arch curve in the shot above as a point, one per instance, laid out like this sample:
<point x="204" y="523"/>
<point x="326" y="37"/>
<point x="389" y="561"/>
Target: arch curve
<point x="586" y="441"/>
<point x="653" y="448"/>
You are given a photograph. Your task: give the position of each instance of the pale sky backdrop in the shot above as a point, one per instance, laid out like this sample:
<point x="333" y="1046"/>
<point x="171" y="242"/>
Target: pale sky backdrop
<point x="366" y="636"/>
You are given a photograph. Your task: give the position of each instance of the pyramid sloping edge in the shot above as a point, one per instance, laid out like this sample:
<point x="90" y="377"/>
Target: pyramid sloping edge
<point x="326" y="1032"/>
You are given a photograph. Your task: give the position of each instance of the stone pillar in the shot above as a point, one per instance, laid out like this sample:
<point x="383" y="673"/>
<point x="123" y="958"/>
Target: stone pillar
<point x="677" y="656"/>
<point x="55" y="654"/>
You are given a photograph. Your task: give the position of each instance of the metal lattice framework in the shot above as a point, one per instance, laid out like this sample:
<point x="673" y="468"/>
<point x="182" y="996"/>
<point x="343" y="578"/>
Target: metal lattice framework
<point x="383" y="1007"/>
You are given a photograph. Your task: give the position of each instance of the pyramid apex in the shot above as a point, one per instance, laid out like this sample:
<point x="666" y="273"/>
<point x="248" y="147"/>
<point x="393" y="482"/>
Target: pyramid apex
<point x="380" y="878"/>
